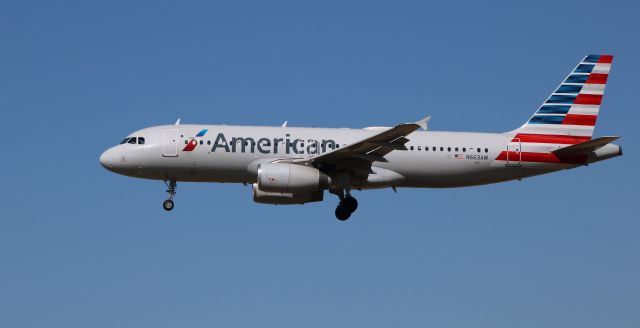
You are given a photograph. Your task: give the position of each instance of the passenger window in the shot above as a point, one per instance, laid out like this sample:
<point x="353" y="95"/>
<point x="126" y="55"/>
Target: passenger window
<point x="441" y="148"/>
<point x="141" y="141"/>
<point x="478" y="149"/>
<point x="434" y="148"/>
<point x="411" y="148"/>
<point x="124" y="141"/>
<point x="464" y="149"/>
<point x="208" y="142"/>
<point x="186" y="141"/>
<point x="448" y="148"/>
<point x="419" y="147"/>
<point x="201" y="142"/>
<point x="486" y="150"/>
<point x="456" y="148"/>
<point x="132" y="140"/>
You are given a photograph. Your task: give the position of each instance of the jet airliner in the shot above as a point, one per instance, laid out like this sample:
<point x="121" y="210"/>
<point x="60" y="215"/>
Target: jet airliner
<point x="296" y="165"/>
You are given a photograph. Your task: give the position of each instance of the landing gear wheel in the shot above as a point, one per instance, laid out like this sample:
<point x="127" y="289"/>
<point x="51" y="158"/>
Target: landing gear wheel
<point x="342" y="213"/>
<point x="350" y="203"/>
<point x="347" y="204"/>
<point x="168" y="205"/>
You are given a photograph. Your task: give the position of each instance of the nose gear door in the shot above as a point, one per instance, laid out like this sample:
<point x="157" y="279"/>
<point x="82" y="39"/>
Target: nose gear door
<point x="170" y="147"/>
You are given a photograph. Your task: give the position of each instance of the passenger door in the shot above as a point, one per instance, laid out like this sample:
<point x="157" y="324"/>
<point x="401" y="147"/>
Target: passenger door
<point x="170" y="147"/>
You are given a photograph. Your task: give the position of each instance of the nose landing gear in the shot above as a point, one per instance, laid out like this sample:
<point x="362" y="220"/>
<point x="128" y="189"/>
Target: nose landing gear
<point x="168" y="204"/>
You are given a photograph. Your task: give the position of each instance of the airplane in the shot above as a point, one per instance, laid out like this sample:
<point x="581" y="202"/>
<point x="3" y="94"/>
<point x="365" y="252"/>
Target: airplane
<point x="296" y="165"/>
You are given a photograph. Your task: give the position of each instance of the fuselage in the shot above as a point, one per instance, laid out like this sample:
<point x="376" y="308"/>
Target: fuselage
<point x="287" y="165"/>
<point x="231" y="154"/>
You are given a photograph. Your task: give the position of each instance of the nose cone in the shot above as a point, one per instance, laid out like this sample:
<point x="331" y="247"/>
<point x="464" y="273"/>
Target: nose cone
<point x="108" y="159"/>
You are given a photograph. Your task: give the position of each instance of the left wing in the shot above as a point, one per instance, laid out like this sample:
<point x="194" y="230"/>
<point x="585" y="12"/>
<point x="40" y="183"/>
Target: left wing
<point x="371" y="149"/>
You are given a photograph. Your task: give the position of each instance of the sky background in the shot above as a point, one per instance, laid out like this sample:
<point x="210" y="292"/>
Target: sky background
<point x="83" y="247"/>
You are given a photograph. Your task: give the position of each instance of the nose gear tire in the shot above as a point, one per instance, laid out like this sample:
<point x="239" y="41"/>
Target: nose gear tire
<point x="168" y="205"/>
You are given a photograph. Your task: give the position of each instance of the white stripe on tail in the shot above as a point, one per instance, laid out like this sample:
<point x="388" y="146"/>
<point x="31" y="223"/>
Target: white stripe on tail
<point x="569" y="115"/>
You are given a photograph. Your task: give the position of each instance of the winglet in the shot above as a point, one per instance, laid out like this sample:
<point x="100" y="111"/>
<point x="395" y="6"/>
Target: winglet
<point x="177" y="122"/>
<point x="423" y="122"/>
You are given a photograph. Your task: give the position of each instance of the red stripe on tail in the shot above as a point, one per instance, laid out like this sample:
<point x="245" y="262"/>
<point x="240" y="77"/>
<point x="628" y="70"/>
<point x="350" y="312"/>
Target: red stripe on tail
<point x="605" y="59"/>
<point x="576" y="119"/>
<point x="542" y="158"/>
<point x="550" y="138"/>
<point x="597" y="78"/>
<point x="585" y="99"/>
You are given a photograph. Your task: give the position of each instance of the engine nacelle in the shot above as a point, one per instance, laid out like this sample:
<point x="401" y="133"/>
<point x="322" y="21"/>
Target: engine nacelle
<point x="285" y="198"/>
<point x="291" y="178"/>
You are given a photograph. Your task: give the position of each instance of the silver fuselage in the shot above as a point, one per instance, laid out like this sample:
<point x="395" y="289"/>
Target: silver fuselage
<point x="232" y="153"/>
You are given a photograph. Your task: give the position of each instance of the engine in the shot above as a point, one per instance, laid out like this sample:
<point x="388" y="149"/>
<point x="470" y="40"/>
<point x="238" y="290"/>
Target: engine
<point x="285" y="198"/>
<point x="291" y="178"/>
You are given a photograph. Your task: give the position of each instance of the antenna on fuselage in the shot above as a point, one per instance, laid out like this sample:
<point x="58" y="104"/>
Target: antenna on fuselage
<point x="284" y="125"/>
<point x="178" y="121"/>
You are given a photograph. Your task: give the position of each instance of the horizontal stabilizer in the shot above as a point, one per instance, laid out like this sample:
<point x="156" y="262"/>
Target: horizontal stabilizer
<point x="585" y="147"/>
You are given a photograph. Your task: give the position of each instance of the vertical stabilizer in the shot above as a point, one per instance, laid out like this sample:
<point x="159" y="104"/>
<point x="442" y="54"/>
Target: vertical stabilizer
<point x="569" y="115"/>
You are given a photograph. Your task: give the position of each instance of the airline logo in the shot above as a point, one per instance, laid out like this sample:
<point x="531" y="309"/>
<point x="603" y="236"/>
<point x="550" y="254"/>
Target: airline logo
<point x="191" y="145"/>
<point x="572" y="110"/>
<point x="287" y="145"/>
<point x="567" y="117"/>
<point x="577" y="100"/>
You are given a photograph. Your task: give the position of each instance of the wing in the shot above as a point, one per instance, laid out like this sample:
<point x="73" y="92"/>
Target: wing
<point x="358" y="156"/>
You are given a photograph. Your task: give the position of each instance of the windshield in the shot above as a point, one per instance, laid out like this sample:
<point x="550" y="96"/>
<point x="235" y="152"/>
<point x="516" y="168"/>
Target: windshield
<point x="133" y="140"/>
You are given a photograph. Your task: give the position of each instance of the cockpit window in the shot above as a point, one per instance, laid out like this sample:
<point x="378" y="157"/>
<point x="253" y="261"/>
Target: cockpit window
<point x="140" y="141"/>
<point x="124" y="141"/>
<point x="132" y="140"/>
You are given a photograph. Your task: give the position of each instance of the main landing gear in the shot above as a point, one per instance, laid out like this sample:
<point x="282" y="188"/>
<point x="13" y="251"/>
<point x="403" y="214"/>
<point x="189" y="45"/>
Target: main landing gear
<point x="168" y="204"/>
<point x="346" y="207"/>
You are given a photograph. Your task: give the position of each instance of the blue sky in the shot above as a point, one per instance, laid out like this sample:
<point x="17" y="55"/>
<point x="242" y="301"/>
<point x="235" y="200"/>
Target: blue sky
<point x="80" y="246"/>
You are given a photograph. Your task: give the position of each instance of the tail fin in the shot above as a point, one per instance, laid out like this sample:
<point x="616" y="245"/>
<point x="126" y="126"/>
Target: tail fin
<point x="569" y="115"/>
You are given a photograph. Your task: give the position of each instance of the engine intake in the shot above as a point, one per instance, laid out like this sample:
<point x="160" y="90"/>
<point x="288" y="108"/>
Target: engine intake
<point x="291" y="178"/>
